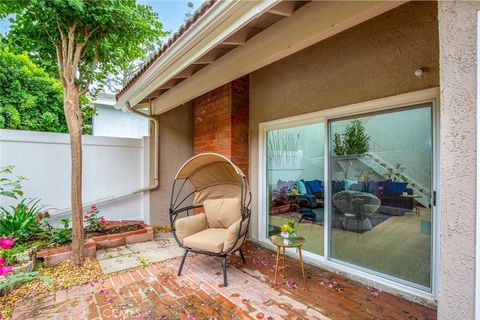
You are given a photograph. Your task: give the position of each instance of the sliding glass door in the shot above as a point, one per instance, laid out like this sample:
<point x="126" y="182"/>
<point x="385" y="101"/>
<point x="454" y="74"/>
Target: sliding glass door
<point x="381" y="173"/>
<point x="360" y="189"/>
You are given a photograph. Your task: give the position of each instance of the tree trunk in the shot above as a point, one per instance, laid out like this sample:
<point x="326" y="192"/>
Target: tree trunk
<point x="74" y="120"/>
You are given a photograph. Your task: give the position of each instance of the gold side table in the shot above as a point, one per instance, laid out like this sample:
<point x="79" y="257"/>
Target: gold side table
<point x="283" y="243"/>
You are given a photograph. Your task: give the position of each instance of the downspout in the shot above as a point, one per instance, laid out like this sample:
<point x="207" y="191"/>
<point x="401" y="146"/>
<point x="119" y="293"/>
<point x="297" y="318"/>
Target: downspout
<point x="156" y="134"/>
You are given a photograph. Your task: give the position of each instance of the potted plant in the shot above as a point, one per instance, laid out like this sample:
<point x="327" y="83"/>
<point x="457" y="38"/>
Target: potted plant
<point x="288" y="230"/>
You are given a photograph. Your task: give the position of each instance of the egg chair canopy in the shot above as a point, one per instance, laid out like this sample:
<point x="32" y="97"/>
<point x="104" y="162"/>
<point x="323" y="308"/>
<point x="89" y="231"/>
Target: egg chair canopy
<point x="212" y="176"/>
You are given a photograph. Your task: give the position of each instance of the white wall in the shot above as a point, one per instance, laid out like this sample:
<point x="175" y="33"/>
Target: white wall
<point x="111" y="122"/>
<point x="111" y="166"/>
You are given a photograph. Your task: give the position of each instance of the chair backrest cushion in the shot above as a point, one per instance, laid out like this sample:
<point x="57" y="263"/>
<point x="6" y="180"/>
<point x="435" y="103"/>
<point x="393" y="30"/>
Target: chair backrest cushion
<point x="222" y="212"/>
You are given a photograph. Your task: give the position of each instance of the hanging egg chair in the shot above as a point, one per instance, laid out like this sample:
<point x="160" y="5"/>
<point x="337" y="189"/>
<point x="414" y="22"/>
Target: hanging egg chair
<point x="210" y="208"/>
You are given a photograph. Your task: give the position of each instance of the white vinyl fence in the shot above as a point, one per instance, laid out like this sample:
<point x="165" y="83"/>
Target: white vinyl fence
<point x="112" y="169"/>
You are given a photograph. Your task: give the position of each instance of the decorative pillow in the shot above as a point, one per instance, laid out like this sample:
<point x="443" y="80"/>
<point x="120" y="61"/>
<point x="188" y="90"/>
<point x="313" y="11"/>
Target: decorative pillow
<point x="396" y="188"/>
<point x="301" y="187"/>
<point x="315" y="186"/>
<point x="223" y="212"/>
<point x="307" y="186"/>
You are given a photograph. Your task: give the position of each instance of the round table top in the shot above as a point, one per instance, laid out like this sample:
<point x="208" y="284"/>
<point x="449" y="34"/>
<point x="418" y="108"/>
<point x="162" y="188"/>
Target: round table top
<point x="280" y="241"/>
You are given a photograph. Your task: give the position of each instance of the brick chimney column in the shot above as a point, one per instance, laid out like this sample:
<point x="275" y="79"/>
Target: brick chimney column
<point x="221" y="122"/>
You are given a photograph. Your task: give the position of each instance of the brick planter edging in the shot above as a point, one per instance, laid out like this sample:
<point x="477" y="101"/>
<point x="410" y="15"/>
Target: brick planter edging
<point x="55" y="256"/>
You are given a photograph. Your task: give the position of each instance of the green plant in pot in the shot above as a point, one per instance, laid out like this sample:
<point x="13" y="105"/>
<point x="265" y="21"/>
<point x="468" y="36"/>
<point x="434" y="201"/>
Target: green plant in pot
<point x="349" y="145"/>
<point x="396" y="173"/>
<point x="354" y="141"/>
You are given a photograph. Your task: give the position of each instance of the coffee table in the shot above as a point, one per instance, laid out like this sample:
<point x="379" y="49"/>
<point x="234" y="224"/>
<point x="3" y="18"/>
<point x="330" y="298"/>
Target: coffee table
<point x="283" y="243"/>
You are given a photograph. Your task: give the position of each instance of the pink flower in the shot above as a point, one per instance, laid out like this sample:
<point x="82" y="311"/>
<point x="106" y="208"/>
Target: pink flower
<point x="1" y="261"/>
<point x="6" y="243"/>
<point x="102" y="220"/>
<point x="39" y="216"/>
<point x="93" y="207"/>
<point x="4" y="270"/>
<point x="107" y="223"/>
<point x="47" y="214"/>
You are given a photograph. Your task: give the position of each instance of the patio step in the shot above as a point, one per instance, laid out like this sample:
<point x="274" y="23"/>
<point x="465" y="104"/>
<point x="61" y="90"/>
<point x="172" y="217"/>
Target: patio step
<point x="163" y="235"/>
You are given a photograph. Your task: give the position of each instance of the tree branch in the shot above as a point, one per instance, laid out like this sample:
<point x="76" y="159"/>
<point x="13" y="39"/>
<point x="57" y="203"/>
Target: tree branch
<point x="64" y="46"/>
<point x="71" y="46"/>
<point x="60" y="64"/>
<point x="86" y="87"/>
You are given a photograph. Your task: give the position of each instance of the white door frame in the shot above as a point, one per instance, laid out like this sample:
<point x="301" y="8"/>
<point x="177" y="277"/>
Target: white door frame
<point x="383" y="104"/>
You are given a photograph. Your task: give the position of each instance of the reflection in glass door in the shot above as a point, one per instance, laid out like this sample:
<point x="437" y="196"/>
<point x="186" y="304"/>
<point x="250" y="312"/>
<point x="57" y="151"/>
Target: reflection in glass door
<point x="381" y="184"/>
<point x="295" y="181"/>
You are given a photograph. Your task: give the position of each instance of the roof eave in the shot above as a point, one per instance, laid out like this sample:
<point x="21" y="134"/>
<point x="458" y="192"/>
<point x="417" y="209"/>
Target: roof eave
<point x="222" y="20"/>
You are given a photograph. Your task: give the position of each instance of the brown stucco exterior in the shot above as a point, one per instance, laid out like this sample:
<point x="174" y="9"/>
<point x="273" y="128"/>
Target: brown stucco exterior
<point x="458" y="75"/>
<point x="372" y="60"/>
<point x="176" y="147"/>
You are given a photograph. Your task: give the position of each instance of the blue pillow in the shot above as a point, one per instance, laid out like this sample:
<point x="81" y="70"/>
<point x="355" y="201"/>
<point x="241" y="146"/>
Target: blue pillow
<point x="315" y="186"/>
<point x="301" y="187"/>
<point x="396" y="187"/>
<point x="309" y="190"/>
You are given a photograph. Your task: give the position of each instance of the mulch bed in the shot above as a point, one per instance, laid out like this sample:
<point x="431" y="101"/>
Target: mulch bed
<point x="114" y="230"/>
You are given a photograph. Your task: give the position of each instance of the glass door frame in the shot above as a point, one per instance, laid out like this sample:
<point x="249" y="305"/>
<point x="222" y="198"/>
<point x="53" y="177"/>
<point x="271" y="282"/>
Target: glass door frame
<point x="326" y="116"/>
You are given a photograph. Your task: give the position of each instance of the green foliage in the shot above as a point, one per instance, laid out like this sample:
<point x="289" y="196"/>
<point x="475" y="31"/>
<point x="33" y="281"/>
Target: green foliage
<point x="23" y="223"/>
<point x="93" y="221"/>
<point x="21" y="277"/>
<point x="62" y="235"/>
<point x="354" y="140"/>
<point x="395" y="174"/>
<point x="7" y="254"/>
<point x="10" y="187"/>
<point x="112" y="32"/>
<point x="29" y="98"/>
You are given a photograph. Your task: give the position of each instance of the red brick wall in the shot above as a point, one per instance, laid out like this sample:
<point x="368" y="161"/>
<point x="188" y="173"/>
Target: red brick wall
<point x="221" y="122"/>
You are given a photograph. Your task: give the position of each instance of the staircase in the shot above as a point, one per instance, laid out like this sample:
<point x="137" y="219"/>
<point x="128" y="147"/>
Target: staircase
<point x="381" y="167"/>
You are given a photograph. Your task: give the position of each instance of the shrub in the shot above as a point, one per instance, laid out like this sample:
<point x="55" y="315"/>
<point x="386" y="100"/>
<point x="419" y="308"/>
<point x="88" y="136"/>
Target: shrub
<point x="354" y="140"/>
<point x="25" y="222"/>
<point x="95" y="223"/>
<point x="62" y="235"/>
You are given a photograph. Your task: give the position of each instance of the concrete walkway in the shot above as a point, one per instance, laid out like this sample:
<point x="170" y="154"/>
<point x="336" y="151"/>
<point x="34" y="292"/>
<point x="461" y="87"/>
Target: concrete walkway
<point x="137" y="254"/>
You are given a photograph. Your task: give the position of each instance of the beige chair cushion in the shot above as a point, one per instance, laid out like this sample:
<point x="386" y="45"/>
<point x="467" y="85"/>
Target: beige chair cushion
<point x="211" y="240"/>
<point x="232" y="234"/>
<point x="223" y="212"/>
<point x="187" y="226"/>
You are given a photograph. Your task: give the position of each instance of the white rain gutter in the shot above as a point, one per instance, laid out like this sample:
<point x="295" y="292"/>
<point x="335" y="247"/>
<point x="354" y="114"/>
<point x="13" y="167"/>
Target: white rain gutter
<point x="156" y="135"/>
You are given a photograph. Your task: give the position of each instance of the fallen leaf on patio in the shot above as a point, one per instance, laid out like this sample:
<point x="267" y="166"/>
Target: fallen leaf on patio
<point x="260" y="315"/>
<point x="291" y="284"/>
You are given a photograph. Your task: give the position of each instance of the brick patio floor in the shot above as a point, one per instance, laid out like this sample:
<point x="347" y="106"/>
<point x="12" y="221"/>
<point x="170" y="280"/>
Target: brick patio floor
<point x="155" y="292"/>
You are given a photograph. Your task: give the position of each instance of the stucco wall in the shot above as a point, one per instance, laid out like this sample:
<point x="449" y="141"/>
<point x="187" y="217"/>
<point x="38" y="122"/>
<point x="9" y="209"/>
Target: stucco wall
<point x="372" y="60"/>
<point x="176" y="146"/>
<point x="458" y="32"/>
